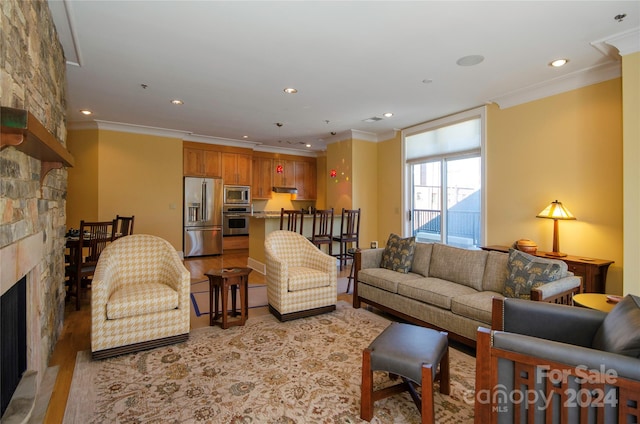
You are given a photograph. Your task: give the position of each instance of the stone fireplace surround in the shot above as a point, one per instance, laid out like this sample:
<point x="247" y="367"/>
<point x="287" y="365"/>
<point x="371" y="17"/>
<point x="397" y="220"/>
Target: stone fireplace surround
<point x="33" y="198"/>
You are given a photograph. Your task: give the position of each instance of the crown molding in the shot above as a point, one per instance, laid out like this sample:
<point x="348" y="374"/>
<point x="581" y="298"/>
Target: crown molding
<point x="285" y="151"/>
<point x="627" y="42"/>
<point x="559" y="85"/>
<point x="220" y="141"/>
<point x="140" y="129"/>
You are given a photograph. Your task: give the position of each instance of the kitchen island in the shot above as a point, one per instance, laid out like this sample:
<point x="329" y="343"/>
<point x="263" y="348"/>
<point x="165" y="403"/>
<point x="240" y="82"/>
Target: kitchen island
<point x="263" y="223"/>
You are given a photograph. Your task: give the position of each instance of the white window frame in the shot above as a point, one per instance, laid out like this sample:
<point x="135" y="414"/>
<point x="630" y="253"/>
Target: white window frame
<point x="480" y="113"/>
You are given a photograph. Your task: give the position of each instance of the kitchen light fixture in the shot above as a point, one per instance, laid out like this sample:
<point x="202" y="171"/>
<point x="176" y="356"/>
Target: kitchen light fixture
<point x="559" y="62"/>
<point x="279" y="169"/>
<point x="388" y="115"/>
<point x="308" y="145"/>
<point x="333" y="173"/>
<point x="85" y="112"/>
<point x="177" y="102"/>
<point x="556" y="211"/>
<point x="290" y="90"/>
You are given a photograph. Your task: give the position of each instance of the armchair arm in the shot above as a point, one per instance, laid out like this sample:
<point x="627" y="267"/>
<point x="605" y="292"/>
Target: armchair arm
<point x="577" y="356"/>
<point x="562" y="323"/>
<point x="175" y="275"/>
<point x="314" y="258"/>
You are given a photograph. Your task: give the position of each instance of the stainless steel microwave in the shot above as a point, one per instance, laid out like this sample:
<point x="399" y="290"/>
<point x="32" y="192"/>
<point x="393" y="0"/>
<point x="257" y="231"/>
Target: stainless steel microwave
<point x="237" y="195"/>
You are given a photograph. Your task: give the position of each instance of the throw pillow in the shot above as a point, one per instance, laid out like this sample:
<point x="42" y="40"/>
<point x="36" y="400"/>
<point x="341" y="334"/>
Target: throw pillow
<point x="620" y="330"/>
<point x="398" y="254"/>
<point x="527" y="272"/>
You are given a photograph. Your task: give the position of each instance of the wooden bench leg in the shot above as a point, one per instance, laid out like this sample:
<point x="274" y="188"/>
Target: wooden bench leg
<point x="366" y="389"/>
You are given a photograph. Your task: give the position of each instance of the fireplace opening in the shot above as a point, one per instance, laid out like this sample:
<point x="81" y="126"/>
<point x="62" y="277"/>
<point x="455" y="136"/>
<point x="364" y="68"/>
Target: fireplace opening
<point x="13" y="340"/>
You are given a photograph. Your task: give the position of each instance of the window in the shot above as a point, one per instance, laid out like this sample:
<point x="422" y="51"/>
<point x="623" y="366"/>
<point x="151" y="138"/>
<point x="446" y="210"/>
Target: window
<point x="444" y="184"/>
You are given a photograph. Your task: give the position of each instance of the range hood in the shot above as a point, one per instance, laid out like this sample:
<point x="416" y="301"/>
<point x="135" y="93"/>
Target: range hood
<point x="290" y="190"/>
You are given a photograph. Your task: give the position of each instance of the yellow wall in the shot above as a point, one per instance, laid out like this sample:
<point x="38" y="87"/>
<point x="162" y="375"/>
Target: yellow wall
<point x="631" y="137"/>
<point x="137" y="175"/>
<point x="566" y="147"/>
<point x="340" y="188"/>
<point x="82" y="184"/>
<point x="365" y="196"/>
<point x="389" y="180"/>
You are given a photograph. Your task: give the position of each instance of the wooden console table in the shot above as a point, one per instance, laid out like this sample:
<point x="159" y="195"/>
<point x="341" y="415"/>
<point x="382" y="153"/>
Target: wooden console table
<point x="593" y="271"/>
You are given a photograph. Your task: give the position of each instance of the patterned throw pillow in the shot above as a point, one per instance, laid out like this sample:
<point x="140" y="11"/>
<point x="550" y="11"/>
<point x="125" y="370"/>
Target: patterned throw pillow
<point x="398" y="254"/>
<point x="527" y="272"/>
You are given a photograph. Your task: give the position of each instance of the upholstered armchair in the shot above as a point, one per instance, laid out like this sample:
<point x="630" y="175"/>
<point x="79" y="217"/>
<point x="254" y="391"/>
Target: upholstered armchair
<point x="548" y="363"/>
<point x="139" y="297"/>
<point x="301" y="279"/>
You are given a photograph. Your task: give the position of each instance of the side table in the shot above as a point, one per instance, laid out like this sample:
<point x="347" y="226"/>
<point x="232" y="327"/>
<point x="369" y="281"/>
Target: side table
<point x="220" y="281"/>
<point x="596" y="301"/>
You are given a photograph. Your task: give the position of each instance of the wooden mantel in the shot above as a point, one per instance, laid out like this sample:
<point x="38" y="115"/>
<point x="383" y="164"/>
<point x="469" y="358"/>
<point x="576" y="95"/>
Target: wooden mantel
<point x="23" y="131"/>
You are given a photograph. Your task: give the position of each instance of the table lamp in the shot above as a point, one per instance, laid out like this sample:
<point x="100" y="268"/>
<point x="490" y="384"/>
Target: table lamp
<point x="556" y="211"/>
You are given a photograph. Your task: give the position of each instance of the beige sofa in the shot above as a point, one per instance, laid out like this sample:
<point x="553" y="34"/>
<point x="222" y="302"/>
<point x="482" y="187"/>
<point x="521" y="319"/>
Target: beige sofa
<point x="447" y="288"/>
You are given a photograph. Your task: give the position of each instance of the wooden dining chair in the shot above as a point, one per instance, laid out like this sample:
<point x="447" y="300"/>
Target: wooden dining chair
<point x="124" y="225"/>
<point x="322" y="232"/>
<point x="289" y="219"/>
<point x="349" y="233"/>
<point x="93" y="238"/>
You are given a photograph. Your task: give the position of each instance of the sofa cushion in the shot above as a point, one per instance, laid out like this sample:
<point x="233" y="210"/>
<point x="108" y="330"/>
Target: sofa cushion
<point x="620" y="330"/>
<point x="384" y="279"/>
<point x="303" y="278"/>
<point x="462" y="266"/>
<point x="433" y="291"/>
<point x="422" y="258"/>
<point x="476" y="306"/>
<point x="495" y="272"/>
<point x="139" y="299"/>
<point x="398" y="254"/>
<point x="527" y="272"/>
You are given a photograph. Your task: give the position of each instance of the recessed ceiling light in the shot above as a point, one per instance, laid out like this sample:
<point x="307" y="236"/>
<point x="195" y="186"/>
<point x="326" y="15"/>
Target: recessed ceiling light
<point x="290" y="90"/>
<point x="308" y="145"/>
<point x="245" y="136"/>
<point x="388" y="115"/>
<point x="559" y="62"/>
<point x="177" y="102"/>
<point x="470" y="60"/>
<point x="85" y="112"/>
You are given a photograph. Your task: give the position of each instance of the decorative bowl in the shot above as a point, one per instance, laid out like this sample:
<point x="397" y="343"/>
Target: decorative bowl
<point x="527" y="246"/>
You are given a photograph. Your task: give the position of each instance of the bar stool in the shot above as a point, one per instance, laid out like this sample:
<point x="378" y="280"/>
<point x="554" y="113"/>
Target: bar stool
<point x="291" y="216"/>
<point x="323" y="229"/>
<point x="413" y="353"/>
<point x="349" y="233"/>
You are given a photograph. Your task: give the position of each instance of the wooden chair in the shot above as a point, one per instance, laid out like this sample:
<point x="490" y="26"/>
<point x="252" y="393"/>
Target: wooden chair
<point x="124" y="225"/>
<point x="291" y="216"/>
<point x="349" y="233"/>
<point x="322" y="232"/>
<point x="93" y="238"/>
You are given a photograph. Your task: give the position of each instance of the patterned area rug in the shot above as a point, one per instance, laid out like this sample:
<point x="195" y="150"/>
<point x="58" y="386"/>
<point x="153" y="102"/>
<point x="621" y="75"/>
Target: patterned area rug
<point x="302" y="371"/>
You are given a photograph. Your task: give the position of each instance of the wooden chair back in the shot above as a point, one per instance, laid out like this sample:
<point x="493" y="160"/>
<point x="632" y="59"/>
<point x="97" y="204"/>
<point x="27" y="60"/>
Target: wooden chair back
<point x="124" y="225"/>
<point x="293" y="218"/>
<point x="350" y="226"/>
<point x="322" y="232"/>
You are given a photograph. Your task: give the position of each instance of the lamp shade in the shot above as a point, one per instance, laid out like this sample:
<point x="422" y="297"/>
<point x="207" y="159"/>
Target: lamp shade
<point x="556" y="210"/>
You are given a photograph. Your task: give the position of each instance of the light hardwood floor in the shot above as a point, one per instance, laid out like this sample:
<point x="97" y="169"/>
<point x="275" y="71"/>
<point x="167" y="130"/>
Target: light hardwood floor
<point x="76" y="333"/>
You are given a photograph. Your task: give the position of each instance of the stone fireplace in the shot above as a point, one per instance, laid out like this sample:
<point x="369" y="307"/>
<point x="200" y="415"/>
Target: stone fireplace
<point x="33" y="180"/>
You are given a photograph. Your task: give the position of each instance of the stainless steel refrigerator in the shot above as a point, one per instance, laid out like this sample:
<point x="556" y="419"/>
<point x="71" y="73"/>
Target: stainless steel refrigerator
<point x="202" y="216"/>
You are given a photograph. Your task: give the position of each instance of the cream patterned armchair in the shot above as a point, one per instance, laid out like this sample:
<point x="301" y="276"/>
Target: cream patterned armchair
<point x="301" y="279"/>
<point x="139" y="297"/>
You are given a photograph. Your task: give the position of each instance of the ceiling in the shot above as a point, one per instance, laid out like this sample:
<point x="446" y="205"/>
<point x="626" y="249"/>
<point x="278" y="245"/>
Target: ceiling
<point x="229" y="62"/>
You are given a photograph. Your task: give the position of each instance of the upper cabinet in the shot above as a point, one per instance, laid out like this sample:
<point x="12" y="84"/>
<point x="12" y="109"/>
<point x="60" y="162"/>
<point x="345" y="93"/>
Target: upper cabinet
<point x="201" y="163"/>
<point x="305" y="180"/>
<point x="236" y="168"/>
<point x="284" y="173"/>
<point x="262" y="178"/>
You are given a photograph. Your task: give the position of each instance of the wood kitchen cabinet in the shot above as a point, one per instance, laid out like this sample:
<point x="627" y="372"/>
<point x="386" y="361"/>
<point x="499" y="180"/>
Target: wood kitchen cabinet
<point x="287" y="178"/>
<point x="201" y="163"/>
<point x="262" y="169"/>
<point x="305" y="180"/>
<point x="236" y="168"/>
